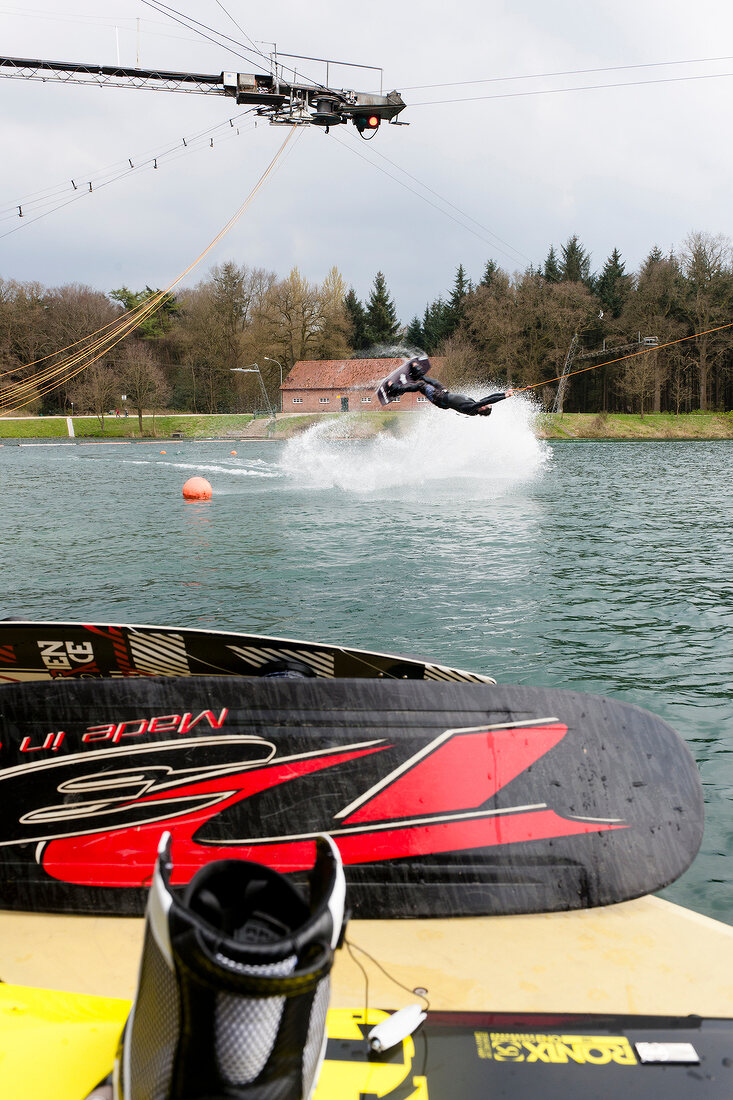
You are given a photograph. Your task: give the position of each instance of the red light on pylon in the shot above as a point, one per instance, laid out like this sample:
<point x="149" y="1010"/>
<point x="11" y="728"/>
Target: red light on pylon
<point x="366" y="122"/>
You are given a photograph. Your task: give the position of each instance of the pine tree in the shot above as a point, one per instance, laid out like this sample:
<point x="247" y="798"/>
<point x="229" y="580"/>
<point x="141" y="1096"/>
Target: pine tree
<point x="551" y="269"/>
<point x="357" y="316"/>
<point x="414" y="335"/>
<point x="382" y="325"/>
<point x="435" y="325"/>
<point x="575" y="263"/>
<point x="654" y="257"/>
<point x="156" y="323"/>
<point x="613" y="285"/>
<point x="489" y="273"/>
<point x="454" y="307"/>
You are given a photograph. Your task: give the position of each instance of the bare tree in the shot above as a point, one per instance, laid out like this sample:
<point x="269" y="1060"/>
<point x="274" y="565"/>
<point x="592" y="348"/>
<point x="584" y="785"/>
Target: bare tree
<point x="332" y="340"/>
<point x="294" y="314"/>
<point x="142" y="379"/>
<point x="680" y="386"/>
<point x="706" y="262"/>
<point x="656" y="309"/>
<point x="491" y="323"/>
<point x="463" y="365"/>
<point x="96" y="389"/>
<point x="222" y="328"/>
<point x="639" y="380"/>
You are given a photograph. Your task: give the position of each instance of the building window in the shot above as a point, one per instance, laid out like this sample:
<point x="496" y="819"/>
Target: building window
<point x="365" y="400"/>
<point x="422" y="401"/>
<point x="323" y="400"/>
<point x="297" y="400"/>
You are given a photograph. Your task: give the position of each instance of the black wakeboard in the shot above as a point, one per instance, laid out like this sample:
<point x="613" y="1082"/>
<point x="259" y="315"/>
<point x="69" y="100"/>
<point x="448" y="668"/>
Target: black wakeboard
<point x="445" y="799"/>
<point x="400" y="377"/>
<point x="506" y="1056"/>
<point x="57" y="651"/>
<point x="451" y="1056"/>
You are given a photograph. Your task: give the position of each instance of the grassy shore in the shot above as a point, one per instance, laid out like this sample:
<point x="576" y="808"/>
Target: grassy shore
<point x="162" y="426"/>
<point x="694" y="425"/>
<point x="243" y="426"/>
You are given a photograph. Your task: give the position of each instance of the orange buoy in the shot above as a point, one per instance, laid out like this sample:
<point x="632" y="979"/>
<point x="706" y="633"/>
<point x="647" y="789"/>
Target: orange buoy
<point x="197" y="488"/>
<point x="232" y="452"/>
<point x="164" y="452"/>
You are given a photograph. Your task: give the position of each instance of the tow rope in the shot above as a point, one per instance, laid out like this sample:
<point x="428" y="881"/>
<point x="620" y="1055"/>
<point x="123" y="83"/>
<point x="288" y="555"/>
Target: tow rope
<point x="19" y="394"/>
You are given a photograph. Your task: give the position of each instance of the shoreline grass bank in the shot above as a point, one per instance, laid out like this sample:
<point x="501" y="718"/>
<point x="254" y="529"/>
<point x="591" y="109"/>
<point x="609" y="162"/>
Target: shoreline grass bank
<point x="244" y="426"/>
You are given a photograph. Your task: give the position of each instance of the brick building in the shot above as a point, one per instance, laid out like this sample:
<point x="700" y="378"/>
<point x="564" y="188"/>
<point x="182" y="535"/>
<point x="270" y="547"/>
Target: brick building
<point x="343" y="385"/>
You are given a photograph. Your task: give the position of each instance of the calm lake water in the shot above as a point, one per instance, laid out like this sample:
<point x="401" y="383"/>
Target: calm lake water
<point x="602" y="567"/>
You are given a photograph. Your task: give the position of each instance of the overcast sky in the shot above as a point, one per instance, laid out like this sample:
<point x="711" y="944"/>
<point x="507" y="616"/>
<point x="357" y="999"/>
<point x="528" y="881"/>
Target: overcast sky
<point x="511" y="169"/>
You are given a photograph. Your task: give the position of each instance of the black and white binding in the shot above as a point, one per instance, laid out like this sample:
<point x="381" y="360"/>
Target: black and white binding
<point x="234" y="983"/>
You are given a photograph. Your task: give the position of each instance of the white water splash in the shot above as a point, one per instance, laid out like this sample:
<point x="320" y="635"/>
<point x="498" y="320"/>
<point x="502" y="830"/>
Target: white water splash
<point x="439" y="446"/>
<point x="254" y="469"/>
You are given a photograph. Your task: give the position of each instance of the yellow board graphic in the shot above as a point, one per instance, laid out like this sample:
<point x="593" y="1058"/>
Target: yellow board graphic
<point x="351" y="1076"/>
<point x="594" y="1050"/>
<point x="63" y="1044"/>
<point x="56" y="1044"/>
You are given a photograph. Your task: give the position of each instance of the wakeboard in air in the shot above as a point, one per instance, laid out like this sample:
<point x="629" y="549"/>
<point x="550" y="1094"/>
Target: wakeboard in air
<point x="444" y="799"/>
<point x="400" y="377"/>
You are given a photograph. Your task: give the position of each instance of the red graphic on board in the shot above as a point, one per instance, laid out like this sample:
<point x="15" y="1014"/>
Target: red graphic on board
<point x="119" y="645"/>
<point x="81" y="672"/>
<point x="432" y="803"/>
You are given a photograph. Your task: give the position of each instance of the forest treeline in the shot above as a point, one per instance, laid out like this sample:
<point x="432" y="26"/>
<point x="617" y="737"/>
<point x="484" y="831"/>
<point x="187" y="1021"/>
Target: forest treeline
<point x="520" y="329"/>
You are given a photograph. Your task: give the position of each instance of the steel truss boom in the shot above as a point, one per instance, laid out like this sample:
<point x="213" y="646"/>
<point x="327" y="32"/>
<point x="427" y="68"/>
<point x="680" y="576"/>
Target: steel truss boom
<point x="281" y="101"/>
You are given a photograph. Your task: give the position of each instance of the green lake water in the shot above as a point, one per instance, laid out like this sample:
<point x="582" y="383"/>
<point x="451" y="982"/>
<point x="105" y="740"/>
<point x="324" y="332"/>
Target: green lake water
<point x="602" y="567"/>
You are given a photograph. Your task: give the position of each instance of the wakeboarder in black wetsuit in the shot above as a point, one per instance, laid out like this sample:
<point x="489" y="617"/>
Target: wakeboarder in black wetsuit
<point x="412" y="378"/>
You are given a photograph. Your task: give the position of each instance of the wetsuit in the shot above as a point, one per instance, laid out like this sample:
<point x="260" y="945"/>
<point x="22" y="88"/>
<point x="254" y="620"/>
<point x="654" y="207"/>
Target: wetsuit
<point x="444" y="399"/>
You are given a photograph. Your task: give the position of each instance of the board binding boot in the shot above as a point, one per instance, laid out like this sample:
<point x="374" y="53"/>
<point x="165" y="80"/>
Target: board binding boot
<point x="234" y="983"/>
<point x="417" y="367"/>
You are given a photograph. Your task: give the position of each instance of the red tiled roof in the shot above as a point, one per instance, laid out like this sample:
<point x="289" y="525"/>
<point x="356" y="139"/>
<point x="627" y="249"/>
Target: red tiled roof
<point x="338" y="374"/>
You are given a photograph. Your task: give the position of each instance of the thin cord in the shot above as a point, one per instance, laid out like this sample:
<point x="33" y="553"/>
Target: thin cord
<point x="419" y="991"/>
<point x="566" y="72"/>
<point x="84" y="189"/>
<point x="179" y="17"/>
<point x="349" y="948"/>
<point x="631" y="355"/>
<point x="28" y="388"/>
<point x="453" y="205"/>
<point x="142" y="157"/>
<point x="579" y="88"/>
<point x="445" y="213"/>
<point x="239" y="28"/>
<point x="161" y="8"/>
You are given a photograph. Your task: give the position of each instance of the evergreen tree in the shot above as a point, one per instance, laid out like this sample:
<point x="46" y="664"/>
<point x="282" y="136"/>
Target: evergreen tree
<point x="454" y="307"/>
<point x="357" y="316"/>
<point x="156" y="323"/>
<point x="654" y="257"/>
<point x="414" y="335"/>
<point x="382" y="325"/>
<point x="575" y="263"/>
<point x="551" y="269"/>
<point x="613" y="285"/>
<point x="489" y="273"/>
<point x="435" y="325"/>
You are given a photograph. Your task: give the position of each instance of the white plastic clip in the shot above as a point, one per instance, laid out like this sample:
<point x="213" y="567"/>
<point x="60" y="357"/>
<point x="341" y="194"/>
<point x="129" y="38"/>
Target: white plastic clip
<point x="396" y="1027"/>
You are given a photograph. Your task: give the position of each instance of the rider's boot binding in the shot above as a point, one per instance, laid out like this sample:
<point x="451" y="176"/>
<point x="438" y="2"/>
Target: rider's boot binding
<point x="417" y="367"/>
<point x="234" y="983"/>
